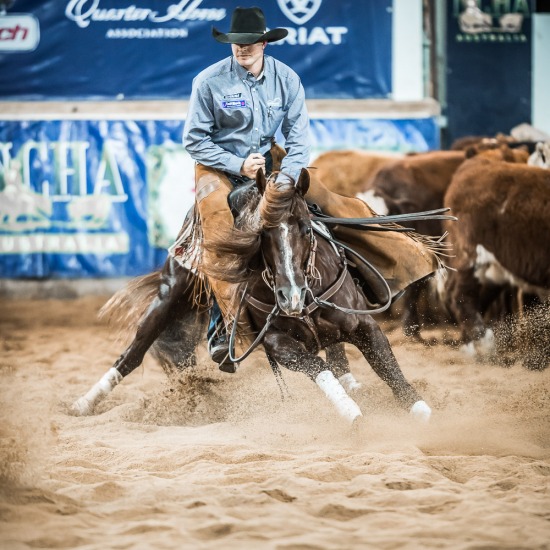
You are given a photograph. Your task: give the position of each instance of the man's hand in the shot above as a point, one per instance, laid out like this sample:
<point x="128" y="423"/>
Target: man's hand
<point x="252" y="164"/>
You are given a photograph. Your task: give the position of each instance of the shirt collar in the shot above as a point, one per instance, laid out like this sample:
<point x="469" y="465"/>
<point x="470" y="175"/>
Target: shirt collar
<point x="243" y="74"/>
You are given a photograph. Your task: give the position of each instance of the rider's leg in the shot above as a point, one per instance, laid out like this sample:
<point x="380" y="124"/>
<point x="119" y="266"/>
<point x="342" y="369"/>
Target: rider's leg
<point x="218" y="341"/>
<point x="215" y="319"/>
<point x="212" y="188"/>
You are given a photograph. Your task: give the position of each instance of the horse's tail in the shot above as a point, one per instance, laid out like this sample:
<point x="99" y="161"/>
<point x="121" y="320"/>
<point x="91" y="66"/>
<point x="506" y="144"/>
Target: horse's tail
<point x="125" y="308"/>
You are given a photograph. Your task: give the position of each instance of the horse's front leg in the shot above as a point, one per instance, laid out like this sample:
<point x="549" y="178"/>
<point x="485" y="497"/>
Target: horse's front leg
<point x="375" y="347"/>
<point x="339" y="365"/>
<point x="174" y="285"/>
<point x="293" y="355"/>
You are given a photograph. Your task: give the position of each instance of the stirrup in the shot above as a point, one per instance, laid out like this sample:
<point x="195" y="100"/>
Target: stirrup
<point x="218" y="348"/>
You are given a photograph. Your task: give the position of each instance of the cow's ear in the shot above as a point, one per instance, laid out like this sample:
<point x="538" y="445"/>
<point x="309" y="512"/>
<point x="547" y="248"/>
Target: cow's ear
<point x="260" y="181"/>
<point x="302" y="185"/>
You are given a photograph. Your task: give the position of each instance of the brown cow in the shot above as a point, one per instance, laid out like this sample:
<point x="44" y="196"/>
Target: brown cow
<point x="414" y="184"/>
<point x="349" y="172"/>
<point x="502" y="236"/>
<point x="464" y="143"/>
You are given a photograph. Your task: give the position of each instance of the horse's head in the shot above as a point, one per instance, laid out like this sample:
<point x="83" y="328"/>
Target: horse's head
<point x="287" y="239"/>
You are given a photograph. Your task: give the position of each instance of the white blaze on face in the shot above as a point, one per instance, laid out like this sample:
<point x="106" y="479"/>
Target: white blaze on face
<point x="288" y="269"/>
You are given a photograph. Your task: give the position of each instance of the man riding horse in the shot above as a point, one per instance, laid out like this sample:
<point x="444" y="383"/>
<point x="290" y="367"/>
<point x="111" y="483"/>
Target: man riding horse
<point x="236" y="106"/>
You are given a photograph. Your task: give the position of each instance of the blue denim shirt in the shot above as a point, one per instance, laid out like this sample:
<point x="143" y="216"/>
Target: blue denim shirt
<point x="233" y="114"/>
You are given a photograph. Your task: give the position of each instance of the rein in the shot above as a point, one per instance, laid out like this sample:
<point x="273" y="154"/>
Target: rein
<point x="273" y="311"/>
<point x="365" y="223"/>
<point x="232" y="337"/>
<point x="322" y="300"/>
<point x="375" y="223"/>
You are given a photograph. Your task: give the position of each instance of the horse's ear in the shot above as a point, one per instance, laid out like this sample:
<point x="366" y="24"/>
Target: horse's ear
<point x="302" y="185"/>
<point x="260" y="181"/>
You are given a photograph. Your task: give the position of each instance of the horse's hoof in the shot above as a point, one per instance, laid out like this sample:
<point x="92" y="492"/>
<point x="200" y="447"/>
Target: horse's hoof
<point x="81" y="407"/>
<point x="359" y="426"/>
<point x="421" y="411"/>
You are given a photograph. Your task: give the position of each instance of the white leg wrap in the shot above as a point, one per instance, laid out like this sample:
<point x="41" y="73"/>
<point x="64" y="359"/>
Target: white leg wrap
<point x="421" y="411"/>
<point x="486" y="344"/>
<point x="345" y="405"/>
<point x="482" y="348"/>
<point x="85" y="405"/>
<point x="350" y="383"/>
<point x="468" y="350"/>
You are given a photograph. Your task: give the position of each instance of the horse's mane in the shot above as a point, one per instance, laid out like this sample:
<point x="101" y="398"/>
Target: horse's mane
<point x="277" y="202"/>
<point x="237" y="252"/>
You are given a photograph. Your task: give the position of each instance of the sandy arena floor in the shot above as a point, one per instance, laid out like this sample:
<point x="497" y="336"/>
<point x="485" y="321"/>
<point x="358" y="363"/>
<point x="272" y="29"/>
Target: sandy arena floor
<point x="217" y="461"/>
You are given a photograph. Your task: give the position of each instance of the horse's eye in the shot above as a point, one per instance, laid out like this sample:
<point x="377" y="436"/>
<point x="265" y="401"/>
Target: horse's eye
<point x="308" y="229"/>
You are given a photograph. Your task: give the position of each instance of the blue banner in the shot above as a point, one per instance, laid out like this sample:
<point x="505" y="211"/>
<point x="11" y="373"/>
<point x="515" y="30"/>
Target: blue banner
<point x="104" y="198"/>
<point x="81" y="198"/>
<point x="145" y="49"/>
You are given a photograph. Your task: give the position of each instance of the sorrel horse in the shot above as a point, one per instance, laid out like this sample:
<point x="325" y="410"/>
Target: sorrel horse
<point x="289" y="272"/>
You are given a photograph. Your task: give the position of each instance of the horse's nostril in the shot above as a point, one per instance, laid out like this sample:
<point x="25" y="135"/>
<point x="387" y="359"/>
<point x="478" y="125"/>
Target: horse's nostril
<point x="281" y="297"/>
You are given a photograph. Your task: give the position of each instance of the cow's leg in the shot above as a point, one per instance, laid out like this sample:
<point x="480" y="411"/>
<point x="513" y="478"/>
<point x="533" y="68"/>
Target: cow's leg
<point x="464" y="302"/>
<point x="411" y="317"/>
<point x="174" y="291"/>
<point x="339" y="365"/>
<point x="373" y="344"/>
<point x="293" y="355"/>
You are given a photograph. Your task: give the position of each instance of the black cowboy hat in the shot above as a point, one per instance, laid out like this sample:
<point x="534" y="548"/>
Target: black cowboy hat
<point x="248" y="27"/>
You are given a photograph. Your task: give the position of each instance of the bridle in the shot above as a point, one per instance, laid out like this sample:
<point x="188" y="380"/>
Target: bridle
<point x="311" y="271"/>
<point x="375" y="223"/>
<point x="311" y="274"/>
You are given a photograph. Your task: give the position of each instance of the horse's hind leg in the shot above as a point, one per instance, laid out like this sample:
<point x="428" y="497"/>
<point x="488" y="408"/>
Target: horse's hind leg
<point x="293" y="355"/>
<point x="374" y="345"/>
<point x="339" y="365"/>
<point x="174" y="290"/>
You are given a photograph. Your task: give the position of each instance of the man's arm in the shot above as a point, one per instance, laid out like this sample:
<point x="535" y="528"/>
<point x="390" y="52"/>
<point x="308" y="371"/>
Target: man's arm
<point x="198" y="129"/>
<point x="295" y="128"/>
